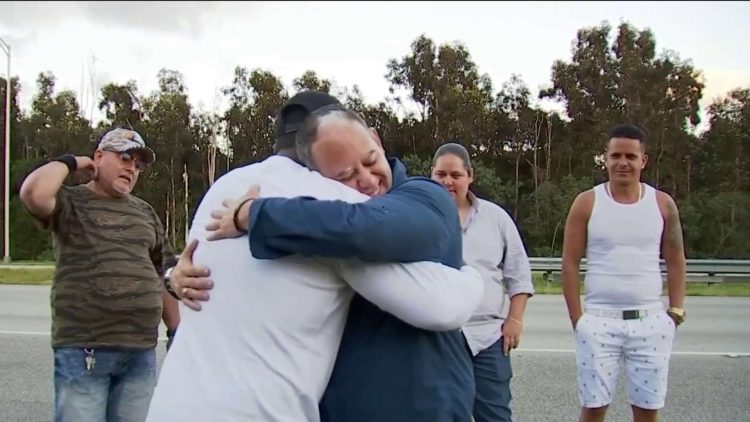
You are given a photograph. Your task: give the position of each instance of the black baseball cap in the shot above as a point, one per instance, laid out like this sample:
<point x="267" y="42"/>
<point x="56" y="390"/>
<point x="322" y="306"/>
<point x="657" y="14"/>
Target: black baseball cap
<point x="294" y="112"/>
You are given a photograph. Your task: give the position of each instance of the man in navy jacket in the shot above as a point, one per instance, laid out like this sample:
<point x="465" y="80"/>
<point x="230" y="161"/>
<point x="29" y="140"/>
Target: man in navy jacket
<point x="385" y="369"/>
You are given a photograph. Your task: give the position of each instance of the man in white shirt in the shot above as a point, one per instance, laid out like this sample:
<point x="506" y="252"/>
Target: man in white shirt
<point x="263" y="348"/>
<point x="623" y="226"/>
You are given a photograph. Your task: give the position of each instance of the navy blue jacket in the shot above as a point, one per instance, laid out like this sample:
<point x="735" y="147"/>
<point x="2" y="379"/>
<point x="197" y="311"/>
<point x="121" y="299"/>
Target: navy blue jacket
<point x="386" y="370"/>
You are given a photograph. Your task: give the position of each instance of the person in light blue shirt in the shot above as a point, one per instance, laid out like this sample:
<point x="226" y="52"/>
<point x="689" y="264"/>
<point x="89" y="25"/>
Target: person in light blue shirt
<point x="492" y="246"/>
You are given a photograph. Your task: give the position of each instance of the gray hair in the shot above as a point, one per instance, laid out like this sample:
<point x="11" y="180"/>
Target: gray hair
<point x="454" y="149"/>
<point x="308" y="133"/>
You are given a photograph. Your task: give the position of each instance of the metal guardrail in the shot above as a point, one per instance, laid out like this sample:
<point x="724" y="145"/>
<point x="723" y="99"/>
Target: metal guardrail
<point x="698" y="270"/>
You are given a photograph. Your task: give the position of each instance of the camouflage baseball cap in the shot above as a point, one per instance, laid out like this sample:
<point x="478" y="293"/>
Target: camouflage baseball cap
<point x="126" y="140"/>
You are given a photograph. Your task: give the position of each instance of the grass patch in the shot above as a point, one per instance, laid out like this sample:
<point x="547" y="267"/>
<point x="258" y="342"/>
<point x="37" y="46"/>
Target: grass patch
<point x="30" y="276"/>
<point x="718" y="289"/>
<point x="543" y="287"/>
<point x="40" y="263"/>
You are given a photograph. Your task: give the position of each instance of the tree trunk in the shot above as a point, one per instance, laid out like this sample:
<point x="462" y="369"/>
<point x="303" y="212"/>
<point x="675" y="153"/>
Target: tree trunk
<point x="537" y="133"/>
<point x="435" y="113"/>
<point x="549" y="149"/>
<point x="570" y="164"/>
<point x="554" y="238"/>
<point x="172" y="202"/>
<point x="689" y="172"/>
<point x="185" y="179"/>
<point x="211" y="161"/>
<point x="167" y="216"/>
<point x="658" y="160"/>
<point x="658" y="164"/>
<point x="737" y="168"/>
<point x="515" y="201"/>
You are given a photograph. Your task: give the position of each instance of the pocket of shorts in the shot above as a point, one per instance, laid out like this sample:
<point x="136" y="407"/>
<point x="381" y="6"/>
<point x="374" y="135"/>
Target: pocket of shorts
<point x="580" y="321"/>
<point x="670" y="323"/>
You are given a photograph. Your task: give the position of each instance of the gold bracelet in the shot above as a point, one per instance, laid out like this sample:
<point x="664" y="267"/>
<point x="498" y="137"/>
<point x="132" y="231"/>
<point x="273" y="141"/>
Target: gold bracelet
<point x="516" y="320"/>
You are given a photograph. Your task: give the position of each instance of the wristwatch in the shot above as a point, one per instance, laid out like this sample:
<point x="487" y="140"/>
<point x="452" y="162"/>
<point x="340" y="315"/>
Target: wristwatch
<point x="678" y="314"/>
<point x="167" y="285"/>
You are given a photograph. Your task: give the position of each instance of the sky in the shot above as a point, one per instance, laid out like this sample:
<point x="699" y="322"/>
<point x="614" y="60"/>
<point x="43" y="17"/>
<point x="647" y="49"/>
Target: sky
<point x="348" y="43"/>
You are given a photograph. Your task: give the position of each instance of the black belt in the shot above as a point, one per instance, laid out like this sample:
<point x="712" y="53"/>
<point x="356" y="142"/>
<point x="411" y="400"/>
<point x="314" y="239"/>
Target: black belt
<point x="634" y="314"/>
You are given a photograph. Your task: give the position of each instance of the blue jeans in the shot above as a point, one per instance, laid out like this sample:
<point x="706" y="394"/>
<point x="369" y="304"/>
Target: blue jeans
<point x="117" y="388"/>
<point x="492" y="373"/>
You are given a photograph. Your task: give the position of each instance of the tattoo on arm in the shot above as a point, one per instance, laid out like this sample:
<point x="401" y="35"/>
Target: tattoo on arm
<point x="674" y="228"/>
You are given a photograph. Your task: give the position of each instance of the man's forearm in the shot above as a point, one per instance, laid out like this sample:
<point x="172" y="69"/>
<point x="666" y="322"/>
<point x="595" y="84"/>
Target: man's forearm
<point x="171" y="312"/>
<point x="383" y="229"/>
<point x="673" y="250"/>
<point x="518" y="306"/>
<point x="427" y="295"/>
<point x="571" y="291"/>
<point x="39" y="189"/>
<point x="676" y="283"/>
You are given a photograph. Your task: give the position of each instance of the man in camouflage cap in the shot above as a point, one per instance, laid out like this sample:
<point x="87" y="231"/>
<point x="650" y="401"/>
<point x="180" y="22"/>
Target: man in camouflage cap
<point x="107" y="294"/>
<point x="127" y="141"/>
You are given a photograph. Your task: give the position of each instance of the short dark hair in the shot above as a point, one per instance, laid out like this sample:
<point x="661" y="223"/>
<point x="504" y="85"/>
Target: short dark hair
<point x="307" y="135"/>
<point x="292" y="115"/>
<point x="454" y="149"/>
<point x="629" y="131"/>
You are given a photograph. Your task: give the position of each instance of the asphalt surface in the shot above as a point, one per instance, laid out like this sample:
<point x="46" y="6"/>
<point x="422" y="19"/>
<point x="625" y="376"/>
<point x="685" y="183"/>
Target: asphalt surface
<point x="709" y="371"/>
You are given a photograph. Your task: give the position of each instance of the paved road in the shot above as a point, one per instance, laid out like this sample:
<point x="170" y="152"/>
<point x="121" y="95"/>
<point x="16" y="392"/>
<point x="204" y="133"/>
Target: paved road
<point x="709" y="374"/>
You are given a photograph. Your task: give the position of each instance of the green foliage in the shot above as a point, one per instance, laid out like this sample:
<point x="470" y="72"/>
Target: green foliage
<point x="254" y="99"/>
<point x="531" y="162"/>
<point x="312" y="82"/>
<point x="546" y="210"/>
<point x="27" y="241"/>
<point x="416" y="165"/>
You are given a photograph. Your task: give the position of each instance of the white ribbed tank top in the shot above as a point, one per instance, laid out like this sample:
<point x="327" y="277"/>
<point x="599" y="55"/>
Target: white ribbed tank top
<point x="622" y="253"/>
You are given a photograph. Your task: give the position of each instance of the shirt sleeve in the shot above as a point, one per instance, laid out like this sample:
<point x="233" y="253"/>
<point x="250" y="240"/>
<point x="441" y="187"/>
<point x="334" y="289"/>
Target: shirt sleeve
<point x="427" y="295"/>
<point x="516" y="268"/>
<point x="391" y="227"/>
<point x="56" y="221"/>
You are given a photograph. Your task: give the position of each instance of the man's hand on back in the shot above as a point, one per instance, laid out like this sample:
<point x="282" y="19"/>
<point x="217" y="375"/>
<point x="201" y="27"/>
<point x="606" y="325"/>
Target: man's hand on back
<point x="232" y="220"/>
<point x="190" y="282"/>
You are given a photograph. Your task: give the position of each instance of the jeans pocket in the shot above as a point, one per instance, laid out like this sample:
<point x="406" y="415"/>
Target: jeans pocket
<point x="70" y="363"/>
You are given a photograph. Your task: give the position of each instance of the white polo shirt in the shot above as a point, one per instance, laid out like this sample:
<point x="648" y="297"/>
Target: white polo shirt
<point x="264" y="345"/>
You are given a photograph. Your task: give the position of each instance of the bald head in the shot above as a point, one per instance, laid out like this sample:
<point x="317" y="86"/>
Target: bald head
<point x="330" y="118"/>
<point x="338" y="143"/>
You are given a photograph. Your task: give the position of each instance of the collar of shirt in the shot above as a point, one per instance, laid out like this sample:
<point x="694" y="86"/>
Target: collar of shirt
<point x="472" y="212"/>
<point x="398" y="170"/>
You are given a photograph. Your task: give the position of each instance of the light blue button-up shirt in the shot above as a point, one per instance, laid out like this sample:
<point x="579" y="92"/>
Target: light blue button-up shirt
<point x="493" y="247"/>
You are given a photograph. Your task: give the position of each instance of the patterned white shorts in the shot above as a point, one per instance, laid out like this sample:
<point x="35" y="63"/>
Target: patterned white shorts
<point x="644" y="344"/>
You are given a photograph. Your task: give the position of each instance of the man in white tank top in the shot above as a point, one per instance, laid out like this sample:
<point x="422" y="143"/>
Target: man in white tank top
<point x="623" y="227"/>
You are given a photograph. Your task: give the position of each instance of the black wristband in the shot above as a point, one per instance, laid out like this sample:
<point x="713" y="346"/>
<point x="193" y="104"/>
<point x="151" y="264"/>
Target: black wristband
<point x="69" y="160"/>
<point x="236" y="215"/>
